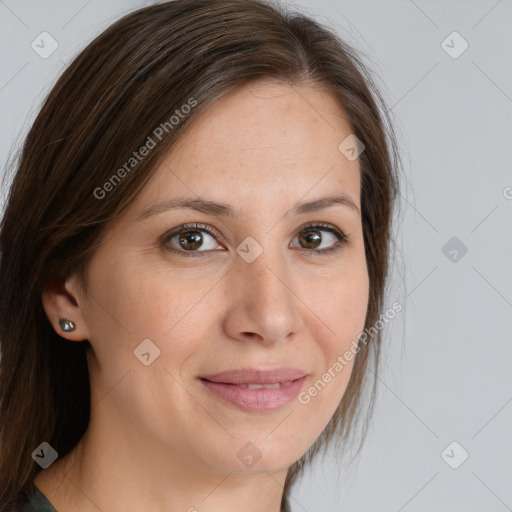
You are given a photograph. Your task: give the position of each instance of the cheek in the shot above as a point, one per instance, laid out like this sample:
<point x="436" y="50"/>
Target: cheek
<point x="142" y="302"/>
<point x="136" y="304"/>
<point x="340" y="309"/>
<point x="340" y="303"/>
<point x="129" y="305"/>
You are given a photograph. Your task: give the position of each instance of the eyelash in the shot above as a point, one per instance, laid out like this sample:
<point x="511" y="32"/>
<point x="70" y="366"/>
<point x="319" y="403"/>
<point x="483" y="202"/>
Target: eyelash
<point x="342" y="238"/>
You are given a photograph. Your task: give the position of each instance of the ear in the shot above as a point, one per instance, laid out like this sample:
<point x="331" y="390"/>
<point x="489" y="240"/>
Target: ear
<point x="66" y="300"/>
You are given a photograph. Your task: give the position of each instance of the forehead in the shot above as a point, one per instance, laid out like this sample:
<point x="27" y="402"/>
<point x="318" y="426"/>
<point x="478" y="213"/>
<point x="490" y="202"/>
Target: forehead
<point x="268" y="119"/>
<point x="264" y="141"/>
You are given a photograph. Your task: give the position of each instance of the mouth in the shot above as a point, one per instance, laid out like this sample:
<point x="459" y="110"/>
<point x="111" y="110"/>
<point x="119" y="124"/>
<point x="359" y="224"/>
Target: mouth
<point x="254" y="390"/>
<point x="253" y="376"/>
<point x="275" y="385"/>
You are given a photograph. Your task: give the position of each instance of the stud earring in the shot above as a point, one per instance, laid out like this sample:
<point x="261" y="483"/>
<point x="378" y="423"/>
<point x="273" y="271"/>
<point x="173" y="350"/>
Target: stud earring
<point x="67" y="325"/>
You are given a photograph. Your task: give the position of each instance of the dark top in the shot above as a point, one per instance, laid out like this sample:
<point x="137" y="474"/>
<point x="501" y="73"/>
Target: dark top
<point x="38" y="502"/>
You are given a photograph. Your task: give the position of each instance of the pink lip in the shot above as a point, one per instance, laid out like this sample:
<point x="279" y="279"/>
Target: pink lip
<point x="256" y="400"/>
<point x="226" y="385"/>
<point x="255" y="376"/>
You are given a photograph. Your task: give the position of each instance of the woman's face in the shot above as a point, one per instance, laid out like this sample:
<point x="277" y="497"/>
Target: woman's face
<point x="254" y="294"/>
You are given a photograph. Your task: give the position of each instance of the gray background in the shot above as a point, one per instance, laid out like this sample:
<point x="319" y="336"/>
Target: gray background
<point x="446" y="375"/>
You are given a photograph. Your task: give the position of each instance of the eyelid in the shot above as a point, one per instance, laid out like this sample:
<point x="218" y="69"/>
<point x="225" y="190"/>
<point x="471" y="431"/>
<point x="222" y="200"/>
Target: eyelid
<point x="190" y="227"/>
<point x="342" y="238"/>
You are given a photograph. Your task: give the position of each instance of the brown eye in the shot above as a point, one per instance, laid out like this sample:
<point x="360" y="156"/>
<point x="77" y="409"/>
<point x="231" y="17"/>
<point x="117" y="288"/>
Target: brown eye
<point x="201" y="239"/>
<point x="190" y="240"/>
<point x="310" y="239"/>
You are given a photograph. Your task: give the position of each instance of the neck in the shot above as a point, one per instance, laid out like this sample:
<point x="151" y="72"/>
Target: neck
<point x="113" y="469"/>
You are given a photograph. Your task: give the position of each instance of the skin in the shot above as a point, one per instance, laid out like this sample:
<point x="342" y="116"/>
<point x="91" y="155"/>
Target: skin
<point x="157" y="439"/>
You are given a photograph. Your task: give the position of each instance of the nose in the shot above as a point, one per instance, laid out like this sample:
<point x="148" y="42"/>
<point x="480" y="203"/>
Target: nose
<point x="263" y="301"/>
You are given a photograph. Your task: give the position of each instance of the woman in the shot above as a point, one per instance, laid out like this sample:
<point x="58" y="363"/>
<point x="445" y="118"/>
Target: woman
<point x="196" y="236"/>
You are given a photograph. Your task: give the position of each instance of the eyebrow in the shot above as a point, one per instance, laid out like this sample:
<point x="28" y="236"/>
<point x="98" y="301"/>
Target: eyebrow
<point x="221" y="209"/>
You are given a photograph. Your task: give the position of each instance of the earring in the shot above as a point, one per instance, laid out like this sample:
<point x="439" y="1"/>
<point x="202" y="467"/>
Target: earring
<point x="67" y="325"/>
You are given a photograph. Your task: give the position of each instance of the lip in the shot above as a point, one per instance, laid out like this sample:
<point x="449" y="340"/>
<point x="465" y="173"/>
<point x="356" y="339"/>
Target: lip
<point x="227" y="386"/>
<point x="255" y="376"/>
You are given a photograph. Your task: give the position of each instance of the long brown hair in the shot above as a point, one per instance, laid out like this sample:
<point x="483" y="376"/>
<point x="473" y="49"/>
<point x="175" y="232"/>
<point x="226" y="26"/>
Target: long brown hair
<point x="127" y="82"/>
